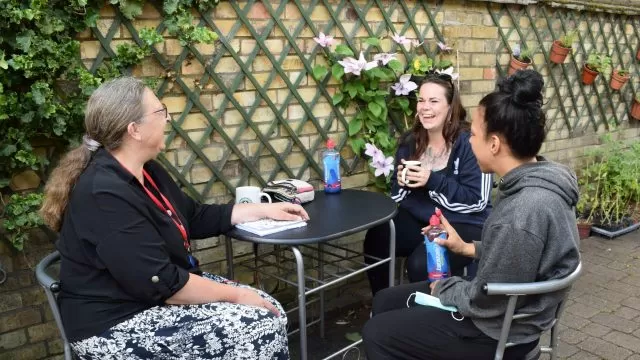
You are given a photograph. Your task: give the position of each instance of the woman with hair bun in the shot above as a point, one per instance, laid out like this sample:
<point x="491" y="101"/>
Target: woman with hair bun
<point x="530" y="236"/>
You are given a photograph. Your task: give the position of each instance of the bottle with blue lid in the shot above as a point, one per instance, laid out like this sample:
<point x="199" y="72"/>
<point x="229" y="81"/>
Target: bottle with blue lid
<point x="331" y="164"/>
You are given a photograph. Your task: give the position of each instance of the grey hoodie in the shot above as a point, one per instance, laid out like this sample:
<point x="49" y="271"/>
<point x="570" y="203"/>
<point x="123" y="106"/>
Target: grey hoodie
<point x="531" y="235"/>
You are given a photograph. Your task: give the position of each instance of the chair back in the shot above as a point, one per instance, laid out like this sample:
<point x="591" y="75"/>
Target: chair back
<point x="513" y="291"/>
<point x="51" y="287"/>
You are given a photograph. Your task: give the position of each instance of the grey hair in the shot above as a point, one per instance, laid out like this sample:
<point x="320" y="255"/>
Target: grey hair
<point x="111" y="108"/>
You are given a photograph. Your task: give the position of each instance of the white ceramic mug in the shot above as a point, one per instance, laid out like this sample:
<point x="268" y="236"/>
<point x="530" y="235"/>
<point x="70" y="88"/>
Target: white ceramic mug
<point x="250" y="195"/>
<point x="405" y="169"/>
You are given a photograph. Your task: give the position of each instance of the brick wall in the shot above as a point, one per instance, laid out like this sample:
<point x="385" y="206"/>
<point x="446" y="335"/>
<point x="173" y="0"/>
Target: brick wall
<point x="27" y="330"/>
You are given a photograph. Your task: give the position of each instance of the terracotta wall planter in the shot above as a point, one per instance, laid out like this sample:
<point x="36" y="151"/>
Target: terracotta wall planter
<point x="584" y="230"/>
<point x="638" y="54"/>
<point x="558" y="53"/>
<point x="588" y="75"/>
<point x="516" y="65"/>
<point x="635" y="109"/>
<point x="617" y="80"/>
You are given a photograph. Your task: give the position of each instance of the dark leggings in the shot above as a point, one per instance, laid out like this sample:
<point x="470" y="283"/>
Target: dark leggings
<point x="422" y="332"/>
<point x="410" y="243"/>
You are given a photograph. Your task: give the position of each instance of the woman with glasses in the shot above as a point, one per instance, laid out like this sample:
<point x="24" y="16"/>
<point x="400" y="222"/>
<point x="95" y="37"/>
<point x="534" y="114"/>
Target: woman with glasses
<point x="530" y="236"/>
<point x="130" y="287"/>
<point x="448" y="178"/>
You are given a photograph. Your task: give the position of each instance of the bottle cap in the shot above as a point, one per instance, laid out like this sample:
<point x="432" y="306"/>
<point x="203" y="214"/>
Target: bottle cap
<point x="330" y="144"/>
<point x="435" y="220"/>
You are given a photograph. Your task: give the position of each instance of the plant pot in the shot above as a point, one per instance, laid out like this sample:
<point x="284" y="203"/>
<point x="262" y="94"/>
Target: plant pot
<point x="588" y="75"/>
<point x="638" y="54"/>
<point x="635" y="109"/>
<point x="558" y="52"/>
<point x="618" y="80"/>
<point x="516" y="65"/>
<point x="584" y="230"/>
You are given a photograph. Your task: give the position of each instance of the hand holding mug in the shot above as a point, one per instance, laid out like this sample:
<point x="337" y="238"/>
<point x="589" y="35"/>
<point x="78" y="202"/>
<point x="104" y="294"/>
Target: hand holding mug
<point x="412" y="174"/>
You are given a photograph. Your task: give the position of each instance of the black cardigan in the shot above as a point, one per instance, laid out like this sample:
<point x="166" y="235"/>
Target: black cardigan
<point x="120" y="253"/>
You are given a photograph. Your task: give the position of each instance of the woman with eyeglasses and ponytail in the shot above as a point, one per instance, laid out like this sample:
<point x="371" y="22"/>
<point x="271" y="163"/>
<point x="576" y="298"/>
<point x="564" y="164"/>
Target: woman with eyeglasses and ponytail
<point x="447" y="178"/>
<point x="530" y="236"/>
<point x="130" y="286"/>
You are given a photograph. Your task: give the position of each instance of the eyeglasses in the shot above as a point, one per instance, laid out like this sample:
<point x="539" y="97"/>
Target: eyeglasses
<point x="166" y="112"/>
<point x="441" y="76"/>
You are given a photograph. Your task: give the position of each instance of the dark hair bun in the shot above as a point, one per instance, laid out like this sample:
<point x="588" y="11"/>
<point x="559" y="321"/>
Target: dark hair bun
<point x="524" y="87"/>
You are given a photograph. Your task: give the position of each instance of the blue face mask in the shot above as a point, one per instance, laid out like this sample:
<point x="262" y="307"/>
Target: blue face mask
<point x="429" y="300"/>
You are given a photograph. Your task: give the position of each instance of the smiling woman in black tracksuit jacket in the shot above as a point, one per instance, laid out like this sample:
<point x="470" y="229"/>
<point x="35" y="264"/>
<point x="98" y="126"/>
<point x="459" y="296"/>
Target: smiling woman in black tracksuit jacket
<point x="449" y="178"/>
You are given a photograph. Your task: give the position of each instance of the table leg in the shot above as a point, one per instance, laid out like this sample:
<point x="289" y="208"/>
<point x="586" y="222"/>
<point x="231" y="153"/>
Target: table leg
<point x="392" y="253"/>
<point x="321" y="277"/>
<point x="302" y="302"/>
<point x="229" y="254"/>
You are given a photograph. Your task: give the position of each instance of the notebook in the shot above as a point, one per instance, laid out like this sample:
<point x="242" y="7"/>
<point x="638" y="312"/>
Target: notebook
<point x="264" y="227"/>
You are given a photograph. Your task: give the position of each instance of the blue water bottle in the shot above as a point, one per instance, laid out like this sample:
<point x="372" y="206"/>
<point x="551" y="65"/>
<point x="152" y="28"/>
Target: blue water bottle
<point x="331" y="164"/>
<point x="437" y="259"/>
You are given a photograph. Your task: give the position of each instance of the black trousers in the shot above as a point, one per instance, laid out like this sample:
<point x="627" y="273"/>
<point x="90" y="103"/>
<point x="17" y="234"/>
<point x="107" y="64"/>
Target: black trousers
<point x="410" y="243"/>
<point x="422" y="332"/>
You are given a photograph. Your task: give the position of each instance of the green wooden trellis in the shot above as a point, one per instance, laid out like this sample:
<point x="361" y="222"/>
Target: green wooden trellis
<point x="578" y="106"/>
<point x="248" y="163"/>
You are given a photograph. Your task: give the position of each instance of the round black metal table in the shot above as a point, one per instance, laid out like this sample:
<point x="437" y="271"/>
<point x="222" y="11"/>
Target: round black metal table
<point x="332" y="216"/>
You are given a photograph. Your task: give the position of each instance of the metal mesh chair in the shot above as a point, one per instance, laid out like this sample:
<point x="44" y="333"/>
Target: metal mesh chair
<point x="513" y="291"/>
<point x="51" y="288"/>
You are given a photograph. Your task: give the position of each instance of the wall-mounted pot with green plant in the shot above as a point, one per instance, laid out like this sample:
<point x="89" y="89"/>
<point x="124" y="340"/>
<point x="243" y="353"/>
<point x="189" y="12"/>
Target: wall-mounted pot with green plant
<point x="618" y="78"/>
<point x="561" y="47"/>
<point x="521" y="58"/>
<point x="596" y="63"/>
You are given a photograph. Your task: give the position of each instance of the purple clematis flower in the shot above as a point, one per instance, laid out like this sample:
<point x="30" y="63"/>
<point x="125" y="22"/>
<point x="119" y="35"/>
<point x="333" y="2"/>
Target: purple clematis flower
<point x="382" y="165"/>
<point x="372" y="150"/>
<point x="323" y="40"/>
<point x="384" y="58"/>
<point x="444" y="47"/>
<point x="405" y="85"/>
<point x="401" y="39"/>
<point x="354" y="66"/>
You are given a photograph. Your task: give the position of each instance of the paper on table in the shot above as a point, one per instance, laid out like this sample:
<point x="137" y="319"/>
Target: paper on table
<point x="264" y="227"/>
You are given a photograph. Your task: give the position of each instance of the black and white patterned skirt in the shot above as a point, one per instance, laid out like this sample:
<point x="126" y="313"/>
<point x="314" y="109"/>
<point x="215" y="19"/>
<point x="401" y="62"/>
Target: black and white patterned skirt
<point x="208" y="331"/>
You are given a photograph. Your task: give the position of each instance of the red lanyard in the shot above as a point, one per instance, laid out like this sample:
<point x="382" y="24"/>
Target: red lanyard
<point x="169" y="210"/>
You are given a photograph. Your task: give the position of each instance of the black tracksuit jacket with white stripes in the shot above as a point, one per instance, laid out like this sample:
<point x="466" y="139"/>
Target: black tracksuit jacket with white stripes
<point x="460" y="190"/>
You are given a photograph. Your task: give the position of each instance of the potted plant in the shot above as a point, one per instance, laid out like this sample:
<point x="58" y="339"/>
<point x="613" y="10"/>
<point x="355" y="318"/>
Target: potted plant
<point x="561" y="47"/>
<point x="596" y="63"/>
<point x="584" y="220"/>
<point x="635" y="108"/>
<point x="520" y="59"/>
<point x="609" y="187"/>
<point x="618" y="78"/>
<point x="638" y="53"/>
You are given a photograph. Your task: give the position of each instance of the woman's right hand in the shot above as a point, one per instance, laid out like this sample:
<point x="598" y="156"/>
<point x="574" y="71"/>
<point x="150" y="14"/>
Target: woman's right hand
<point x="249" y="297"/>
<point x="453" y="242"/>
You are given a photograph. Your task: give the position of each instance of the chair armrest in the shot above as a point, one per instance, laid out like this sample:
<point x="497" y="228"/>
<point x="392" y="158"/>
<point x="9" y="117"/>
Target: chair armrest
<point x="540" y="287"/>
<point x="41" y="269"/>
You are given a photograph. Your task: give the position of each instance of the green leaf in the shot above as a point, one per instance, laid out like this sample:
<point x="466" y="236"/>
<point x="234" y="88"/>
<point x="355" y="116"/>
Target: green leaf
<point x="375" y="108"/>
<point x="353" y="336"/>
<point x="170" y="6"/>
<point x="383" y="139"/>
<point x="337" y="71"/>
<point x="396" y="66"/>
<point x="8" y="150"/>
<point x="337" y="98"/>
<point x="355" y="125"/>
<point x="319" y="72"/>
<point x="24" y="40"/>
<point x="357" y="145"/>
<point x="374" y="41"/>
<point x="403" y="102"/>
<point x="343" y="49"/>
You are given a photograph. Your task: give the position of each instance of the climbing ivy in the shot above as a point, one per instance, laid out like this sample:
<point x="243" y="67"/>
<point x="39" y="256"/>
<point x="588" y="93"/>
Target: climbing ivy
<point x="44" y="85"/>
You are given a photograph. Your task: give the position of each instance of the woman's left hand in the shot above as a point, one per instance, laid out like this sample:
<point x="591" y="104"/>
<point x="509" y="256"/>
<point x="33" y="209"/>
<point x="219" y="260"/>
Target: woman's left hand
<point x="278" y="211"/>
<point x="285" y="211"/>
<point x="417" y="177"/>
